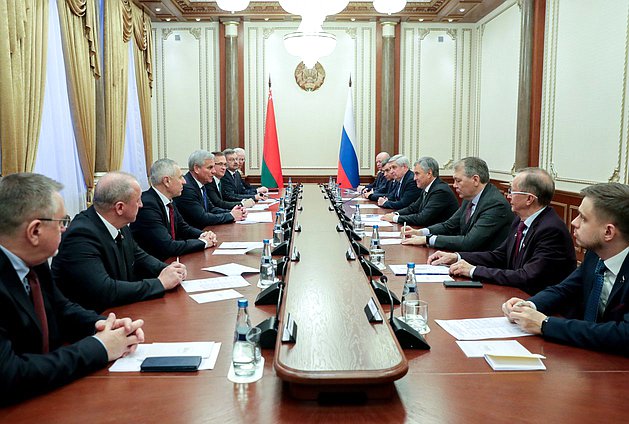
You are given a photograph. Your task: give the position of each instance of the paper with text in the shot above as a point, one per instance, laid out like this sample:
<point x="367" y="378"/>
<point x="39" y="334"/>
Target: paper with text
<point x="218" y="283"/>
<point x="216" y="296"/>
<point x="481" y="328"/>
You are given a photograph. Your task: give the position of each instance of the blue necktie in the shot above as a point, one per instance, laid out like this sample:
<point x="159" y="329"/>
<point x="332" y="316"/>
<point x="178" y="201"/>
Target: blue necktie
<point x="591" y="308"/>
<point x="204" y="193"/>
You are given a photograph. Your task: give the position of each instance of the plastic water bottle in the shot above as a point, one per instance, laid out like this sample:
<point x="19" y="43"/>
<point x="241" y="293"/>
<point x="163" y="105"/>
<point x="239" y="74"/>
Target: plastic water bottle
<point x="410" y="286"/>
<point x="359" y="226"/>
<point x="267" y="271"/>
<point x="278" y="234"/>
<point x="243" y="354"/>
<point x="375" y="235"/>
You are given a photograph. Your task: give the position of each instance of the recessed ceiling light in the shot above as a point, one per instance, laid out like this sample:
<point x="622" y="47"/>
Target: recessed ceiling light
<point x="352" y="19"/>
<point x="167" y="19"/>
<point x="421" y="19"/>
<point x="266" y="19"/>
<point x="461" y="10"/>
<point x="198" y="19"/>
<point x="450" y="20"/>
<point x="158" y="9"/>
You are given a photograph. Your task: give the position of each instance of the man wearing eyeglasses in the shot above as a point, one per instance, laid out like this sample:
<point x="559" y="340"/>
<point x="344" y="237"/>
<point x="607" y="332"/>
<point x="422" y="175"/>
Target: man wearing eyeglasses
<point x="46" y="341"/>
<point x="99" y="264"/>
<point x="538" y="251"/>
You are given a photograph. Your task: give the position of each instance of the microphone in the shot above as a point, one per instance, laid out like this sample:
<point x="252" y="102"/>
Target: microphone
<point x="408" y="337"/>
<point x="268" y="327"/>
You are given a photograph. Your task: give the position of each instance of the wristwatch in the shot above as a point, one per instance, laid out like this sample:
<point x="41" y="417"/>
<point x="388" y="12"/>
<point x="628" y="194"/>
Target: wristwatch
<point x="543" y="324"/>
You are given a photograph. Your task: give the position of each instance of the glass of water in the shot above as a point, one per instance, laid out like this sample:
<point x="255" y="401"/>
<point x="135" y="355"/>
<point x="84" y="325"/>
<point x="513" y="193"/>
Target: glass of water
<point x="253" y="337"/>
<point x="416" y="315"/>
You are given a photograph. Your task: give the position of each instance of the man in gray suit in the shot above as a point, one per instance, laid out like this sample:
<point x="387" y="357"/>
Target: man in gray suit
<point x="481" y="223"/>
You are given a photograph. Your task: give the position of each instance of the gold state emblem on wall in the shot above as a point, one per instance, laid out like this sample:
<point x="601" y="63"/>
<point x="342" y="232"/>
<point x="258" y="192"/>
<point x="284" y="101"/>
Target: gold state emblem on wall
<point x="309" y="79"/>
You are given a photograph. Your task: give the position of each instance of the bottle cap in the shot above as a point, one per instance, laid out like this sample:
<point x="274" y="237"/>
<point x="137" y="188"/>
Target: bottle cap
<point x="243" y="303"/>
<point x="410" y="265"/>
<point x="266" y="241"/>
<point x="375" y="227"/>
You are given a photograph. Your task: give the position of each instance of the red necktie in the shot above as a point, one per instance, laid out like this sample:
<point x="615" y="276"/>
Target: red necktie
<point x="518" y="238"/>
<point x="40" y="310"/>
<point x="171" y="215"/>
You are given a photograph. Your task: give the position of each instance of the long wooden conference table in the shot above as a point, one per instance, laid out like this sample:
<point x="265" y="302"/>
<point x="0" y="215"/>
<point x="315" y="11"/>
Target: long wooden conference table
<point x="439" y="385"/>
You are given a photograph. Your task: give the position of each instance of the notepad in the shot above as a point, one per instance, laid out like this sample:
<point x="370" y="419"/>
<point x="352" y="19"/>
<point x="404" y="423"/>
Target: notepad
<point x="530" y="362"/>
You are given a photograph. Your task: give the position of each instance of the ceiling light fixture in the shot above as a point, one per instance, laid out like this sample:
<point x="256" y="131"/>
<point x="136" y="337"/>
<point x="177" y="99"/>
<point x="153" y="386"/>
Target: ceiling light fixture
<point x="233" y="5"/>
<point x="389" y="6"/>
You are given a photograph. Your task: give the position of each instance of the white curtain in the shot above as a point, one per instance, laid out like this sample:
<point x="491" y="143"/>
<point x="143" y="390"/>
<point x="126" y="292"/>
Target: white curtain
<point x="133" y="159"/>
<point x="57" y="156"/>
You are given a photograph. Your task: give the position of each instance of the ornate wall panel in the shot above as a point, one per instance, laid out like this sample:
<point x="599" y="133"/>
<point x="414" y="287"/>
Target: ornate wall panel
<point x="309" y="124"/>
<point x="497" y="94"/>
<point x="186" y="101"/>
<point x="585" y="107"/>
<point x="436" y="88"/>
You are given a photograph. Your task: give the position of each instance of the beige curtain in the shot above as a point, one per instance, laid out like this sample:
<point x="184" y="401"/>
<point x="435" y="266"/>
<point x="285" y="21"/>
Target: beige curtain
<point x="79" y="36"/>
<point x="118" y="31"/>
<point x="143" y="48"/>
<point x="23" y="47"/>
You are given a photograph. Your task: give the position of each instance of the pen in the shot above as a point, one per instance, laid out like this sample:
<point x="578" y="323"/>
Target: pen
<point x="404" y="230"/>
<point x="177" y="258"/>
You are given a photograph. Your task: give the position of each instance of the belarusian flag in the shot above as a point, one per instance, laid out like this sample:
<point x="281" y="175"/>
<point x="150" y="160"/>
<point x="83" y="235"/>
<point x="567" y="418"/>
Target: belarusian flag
<point x="271" y="163"/>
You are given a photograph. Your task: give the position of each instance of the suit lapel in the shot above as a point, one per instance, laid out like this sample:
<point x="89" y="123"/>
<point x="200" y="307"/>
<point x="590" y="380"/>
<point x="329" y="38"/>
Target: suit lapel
<point x="109" y="243"/>
<point x="14" y="286"/>
<point x="620" y="285"/>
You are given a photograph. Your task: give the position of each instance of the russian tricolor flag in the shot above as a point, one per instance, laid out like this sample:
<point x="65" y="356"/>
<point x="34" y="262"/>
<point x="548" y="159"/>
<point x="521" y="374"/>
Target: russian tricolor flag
<point x="347" y="176"/>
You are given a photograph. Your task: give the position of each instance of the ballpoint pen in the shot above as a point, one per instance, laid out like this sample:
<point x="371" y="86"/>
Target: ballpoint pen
<point x="404" y="230"/>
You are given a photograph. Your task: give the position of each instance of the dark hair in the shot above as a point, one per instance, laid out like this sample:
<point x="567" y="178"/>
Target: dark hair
<point x="538" y="182"/>
<point x="611" y="201"/>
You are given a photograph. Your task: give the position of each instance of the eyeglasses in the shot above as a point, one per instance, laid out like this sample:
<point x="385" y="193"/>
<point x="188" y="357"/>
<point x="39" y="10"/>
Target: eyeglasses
<point x="220" y="163"/>
<point x="65" y="221"/>
<point x="526" y="193"/>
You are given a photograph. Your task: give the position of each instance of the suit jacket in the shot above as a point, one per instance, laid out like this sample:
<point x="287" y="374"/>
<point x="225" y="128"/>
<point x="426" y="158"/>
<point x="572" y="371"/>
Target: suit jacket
<point x="546" y="257"/>
<point x="408" y="193"/>
<point x="192" y="208"/>
<point x="610" y="332"/>
<point x="388" y="189"/>
<point x="24" y="370"/>
<point x="379" y="183"/>
<point x="233" y="189"/>
<point x="435" y="205"/>
<point x="486" y="229"/>
<point x="151" y="230"/>
<point x="93" y="271"/>
<point x="216" y="197"/>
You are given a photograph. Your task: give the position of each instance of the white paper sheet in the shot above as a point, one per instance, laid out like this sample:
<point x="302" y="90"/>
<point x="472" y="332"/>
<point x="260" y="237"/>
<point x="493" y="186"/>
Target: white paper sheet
<point x="216" y="296"/>
<point x="269" y="201"/>
<point x="389" y="234"/>
<point x="478" y="349"/>
<point x="230" y="252"/>
<point x="218" y="283"/>
<point x="258" y="217"/>
<point x="241" y="245"/>
<point x="259" y="207"/>
<point x="231" y="269"/>
<point x="421" y="269"/>
<point x="208" y="351"/>
<point x="481" y="328"/>
<point x="423" y="278"/>
<point x="368" y="206"/>
<point x="389" y="241"/>
<point x="380" y="224"/>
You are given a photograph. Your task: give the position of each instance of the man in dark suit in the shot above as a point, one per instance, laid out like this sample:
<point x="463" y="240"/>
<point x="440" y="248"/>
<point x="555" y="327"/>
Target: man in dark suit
<point x="99" y="265"/>
<point x="405" y="191"/>
<point x="436" y="202"/>
<point x="380" y="181"/>
<point x="159" y="228"/>
<point x="46" y="341"/>
<point x="232" y="186"/>
<point x="194" y="204"/>
<point x="595" y="298"/>
<point x="538" y="252"/>
<point x="386" y="188"/>
<point x="213" y="188"/>
<point x="481" y="223"/>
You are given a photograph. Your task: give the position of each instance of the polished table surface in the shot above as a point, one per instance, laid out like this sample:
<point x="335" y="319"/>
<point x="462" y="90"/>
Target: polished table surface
<point x="441" y="386"/>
